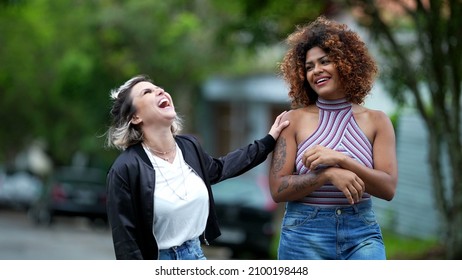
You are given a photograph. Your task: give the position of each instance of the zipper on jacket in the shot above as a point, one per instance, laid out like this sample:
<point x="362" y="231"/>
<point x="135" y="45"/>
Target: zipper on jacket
<point x="154" y="235"/>
<point x="187" y="164"/>
<point x="205" y="239"/>
<point x="203" y="234"/>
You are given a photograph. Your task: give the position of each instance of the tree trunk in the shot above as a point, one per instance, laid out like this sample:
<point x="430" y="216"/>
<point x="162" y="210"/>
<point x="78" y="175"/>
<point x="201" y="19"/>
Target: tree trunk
<point x="447" y="200"/>
<point x="434" y="64"/>
<point x="454" y="237"/>
<point x="454" y="226"/>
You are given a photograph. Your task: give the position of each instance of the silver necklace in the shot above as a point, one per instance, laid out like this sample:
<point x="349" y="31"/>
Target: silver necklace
<point x="161" y="154"/>
<point x="182" y="197"/>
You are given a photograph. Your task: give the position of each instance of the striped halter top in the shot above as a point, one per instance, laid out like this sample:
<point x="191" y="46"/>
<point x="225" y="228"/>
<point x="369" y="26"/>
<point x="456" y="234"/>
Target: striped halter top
<point x="337" y="130"/>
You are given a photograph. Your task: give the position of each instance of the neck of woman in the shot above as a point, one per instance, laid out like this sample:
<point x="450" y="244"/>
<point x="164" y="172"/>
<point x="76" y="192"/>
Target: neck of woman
<point x="159" y="140"/>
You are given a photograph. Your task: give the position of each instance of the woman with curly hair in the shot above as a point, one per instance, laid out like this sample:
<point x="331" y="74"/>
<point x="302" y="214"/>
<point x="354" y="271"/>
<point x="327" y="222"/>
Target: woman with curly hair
<point x="336" y="154"/>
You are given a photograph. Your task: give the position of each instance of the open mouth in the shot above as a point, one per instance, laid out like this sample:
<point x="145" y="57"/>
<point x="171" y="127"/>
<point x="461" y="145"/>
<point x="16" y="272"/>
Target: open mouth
<point x="164" y="103"/>
<point x="321" y="80"/>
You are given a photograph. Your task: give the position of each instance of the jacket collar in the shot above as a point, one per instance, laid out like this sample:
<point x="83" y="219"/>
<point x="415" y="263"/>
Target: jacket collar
<point x="138" y="148"/>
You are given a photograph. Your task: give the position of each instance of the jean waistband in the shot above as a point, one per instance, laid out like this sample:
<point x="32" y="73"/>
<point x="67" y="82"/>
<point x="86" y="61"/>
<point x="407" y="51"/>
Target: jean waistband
<point x="355" y="208"/>
<point x="187" y="244"/>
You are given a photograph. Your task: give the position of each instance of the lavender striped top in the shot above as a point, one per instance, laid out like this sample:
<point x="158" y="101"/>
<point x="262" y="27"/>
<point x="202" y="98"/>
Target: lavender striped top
<point x="339" y="131"/>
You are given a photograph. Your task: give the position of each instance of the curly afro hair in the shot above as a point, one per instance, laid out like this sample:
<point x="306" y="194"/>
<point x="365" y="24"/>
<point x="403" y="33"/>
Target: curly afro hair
<point x="356" y="68"/>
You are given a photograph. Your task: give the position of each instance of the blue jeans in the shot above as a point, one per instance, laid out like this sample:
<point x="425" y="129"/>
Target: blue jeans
<point x="190" y="250"/>
<point x="336" y="233"/>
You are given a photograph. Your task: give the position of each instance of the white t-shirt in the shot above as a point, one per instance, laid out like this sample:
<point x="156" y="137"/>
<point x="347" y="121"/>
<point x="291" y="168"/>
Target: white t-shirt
<point x="181" y="202"/>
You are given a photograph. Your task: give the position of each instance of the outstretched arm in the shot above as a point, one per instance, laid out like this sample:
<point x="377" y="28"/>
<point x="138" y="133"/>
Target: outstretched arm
<point x="243" y="159"/>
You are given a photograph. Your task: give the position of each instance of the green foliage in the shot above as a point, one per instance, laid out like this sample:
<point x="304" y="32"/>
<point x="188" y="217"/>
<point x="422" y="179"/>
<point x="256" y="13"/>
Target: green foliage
<point x="423" y="61"/>
<point x="405" y="248"/>
<point x="59" y="59"/>
<point x="398" y="247"/>
<point x="252" y="23"/>
<point x="248" y="27"/>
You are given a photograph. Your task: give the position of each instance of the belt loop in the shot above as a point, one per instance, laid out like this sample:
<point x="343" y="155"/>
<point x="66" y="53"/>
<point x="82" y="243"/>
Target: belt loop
<point x="316" y="211"/>
<point x="356" y="208"/>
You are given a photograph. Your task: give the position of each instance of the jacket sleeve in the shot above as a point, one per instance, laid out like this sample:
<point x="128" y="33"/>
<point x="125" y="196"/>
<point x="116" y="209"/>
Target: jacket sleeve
<point x="238" y="161"/>
<point x="121" y="215"/>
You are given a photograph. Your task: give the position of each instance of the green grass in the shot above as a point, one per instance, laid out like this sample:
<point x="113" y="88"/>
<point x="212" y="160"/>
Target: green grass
<point x="399" y="247"/>
<point x="405" y="248"/>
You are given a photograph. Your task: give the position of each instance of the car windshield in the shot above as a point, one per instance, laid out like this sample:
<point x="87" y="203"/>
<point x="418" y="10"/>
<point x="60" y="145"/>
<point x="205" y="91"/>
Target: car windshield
<point x="80" y="176"/>
<point x="241" y="191"/>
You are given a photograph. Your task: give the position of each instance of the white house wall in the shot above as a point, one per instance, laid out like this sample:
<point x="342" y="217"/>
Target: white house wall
<point x="412" y="211"/>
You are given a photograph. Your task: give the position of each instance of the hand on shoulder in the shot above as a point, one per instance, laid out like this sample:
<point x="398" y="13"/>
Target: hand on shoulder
<point x="278" y="125"/>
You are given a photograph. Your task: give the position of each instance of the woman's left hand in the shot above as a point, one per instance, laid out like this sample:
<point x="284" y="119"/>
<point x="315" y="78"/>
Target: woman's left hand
<point x="321" y="156"/>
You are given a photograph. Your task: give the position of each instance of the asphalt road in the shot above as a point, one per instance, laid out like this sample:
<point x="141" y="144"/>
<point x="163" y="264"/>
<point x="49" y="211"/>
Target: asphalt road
<point x="65" y="239"/>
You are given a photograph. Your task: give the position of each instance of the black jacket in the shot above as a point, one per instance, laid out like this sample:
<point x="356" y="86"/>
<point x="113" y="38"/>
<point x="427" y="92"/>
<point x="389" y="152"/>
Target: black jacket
<point x="131" y="183"/>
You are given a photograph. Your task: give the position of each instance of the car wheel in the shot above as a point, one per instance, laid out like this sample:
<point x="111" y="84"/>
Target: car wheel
<point x="99" y="223"/>
<point x="40" y="216"/>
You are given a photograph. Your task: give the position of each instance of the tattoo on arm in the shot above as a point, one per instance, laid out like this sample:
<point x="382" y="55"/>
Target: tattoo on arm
<point x="284" y="185"/>
<point x="279" y="156"/>
<point x="299" y="182"/>
<point x="296" y="182"/>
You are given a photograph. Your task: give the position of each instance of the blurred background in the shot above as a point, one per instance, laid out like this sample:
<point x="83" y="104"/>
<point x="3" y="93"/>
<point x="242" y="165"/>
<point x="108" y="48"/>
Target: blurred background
<point x="219" y="60"/>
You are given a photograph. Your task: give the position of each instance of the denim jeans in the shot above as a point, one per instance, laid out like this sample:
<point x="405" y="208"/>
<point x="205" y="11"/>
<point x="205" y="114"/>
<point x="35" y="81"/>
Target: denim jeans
<point x="337" y="233"/>
<point x="190" y="250"/>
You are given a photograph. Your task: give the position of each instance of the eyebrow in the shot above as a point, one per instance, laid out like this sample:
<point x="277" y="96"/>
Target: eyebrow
<point x="322" y="57"/>
<point x="145" y="90"/>
<point x="150" y="88"/>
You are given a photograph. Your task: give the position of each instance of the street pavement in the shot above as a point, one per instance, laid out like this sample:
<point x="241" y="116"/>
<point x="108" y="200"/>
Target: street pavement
<point x="66" y="239"/>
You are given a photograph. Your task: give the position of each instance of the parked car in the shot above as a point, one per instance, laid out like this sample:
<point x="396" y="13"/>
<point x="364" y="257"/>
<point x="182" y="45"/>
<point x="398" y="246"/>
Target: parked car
<point x="247" y="215"/>
<point x="19" y="189"/>
<point x="72" y="192"/>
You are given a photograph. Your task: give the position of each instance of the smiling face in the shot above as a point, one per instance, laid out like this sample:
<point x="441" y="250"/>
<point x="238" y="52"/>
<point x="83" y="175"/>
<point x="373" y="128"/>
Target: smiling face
<point x="322" y="74"/>
<point x="153" y="105"/>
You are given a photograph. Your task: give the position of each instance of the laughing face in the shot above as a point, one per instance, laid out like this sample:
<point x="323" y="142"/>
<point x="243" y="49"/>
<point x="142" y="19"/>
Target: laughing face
<point x="322" y="74"/>
<point x="153" y="105"/>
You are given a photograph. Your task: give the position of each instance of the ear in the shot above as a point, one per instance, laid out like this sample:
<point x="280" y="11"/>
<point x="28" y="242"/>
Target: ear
<point x="136" y="119"/>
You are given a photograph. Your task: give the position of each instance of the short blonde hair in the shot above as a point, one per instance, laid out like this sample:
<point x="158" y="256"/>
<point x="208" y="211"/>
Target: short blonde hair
<point x="122" y="133"/>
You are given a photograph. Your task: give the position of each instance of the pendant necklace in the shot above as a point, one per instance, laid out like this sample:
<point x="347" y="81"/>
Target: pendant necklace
<point x="159" y="168"/>
<point x="161" y="154"/>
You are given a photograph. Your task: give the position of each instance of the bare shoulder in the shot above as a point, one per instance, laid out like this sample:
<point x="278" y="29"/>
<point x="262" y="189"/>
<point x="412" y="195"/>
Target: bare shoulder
<point x="379" y="117"/>
<point x="370" y="115"/>
<point x="301" y="113"/>
<point x="302" y="117"/>
<point x="372" y="122"/>
<point x="292" y="117"/>
<point x="303" y="121"/>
